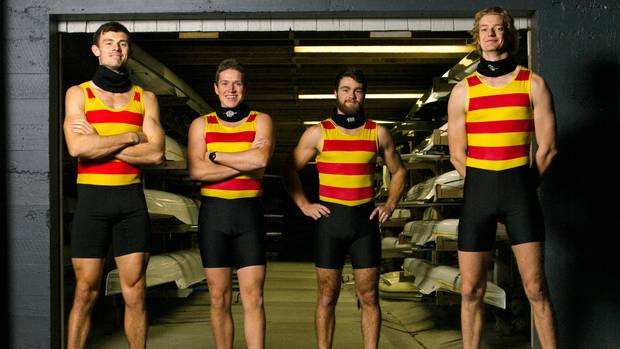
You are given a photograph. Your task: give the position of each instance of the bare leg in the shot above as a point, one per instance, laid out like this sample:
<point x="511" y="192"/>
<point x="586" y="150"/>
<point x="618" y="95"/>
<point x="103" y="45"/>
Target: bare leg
<point x="367" y="289"/>
<point x="88" y="276"/>
<point x="329" y="281"/>
<point x="529" y="258"/>
<point x="473" y="267"/>
<point x="251" y="281"/>
<point x="132" y="274"/>
<point x="220" y="290"/>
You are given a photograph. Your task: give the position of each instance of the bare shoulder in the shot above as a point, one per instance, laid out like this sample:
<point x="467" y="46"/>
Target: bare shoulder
<point x="538" y="83"/>
<point x="459" y="90"/>
<point x="75" y="91"/>
<point x="263" y="118"/>
<point x="198" y="122"/>
<point x="149" y="97"/>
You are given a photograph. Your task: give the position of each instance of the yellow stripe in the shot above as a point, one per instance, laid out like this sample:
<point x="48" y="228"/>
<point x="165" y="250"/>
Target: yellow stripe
<point x="498" y="139"/>
<point x="230" y="194"/>
<point x="232" y="147"/>
<point x="96" y="104"/>
<point x="346" y="181"/>
<point x="109" y="129"/>
<point x="345" y="202"/>
<point x="107" y="179"/>
<point x="499" y="114"/>
<point x="497" y="165"/>
<point x="346" y="157"/>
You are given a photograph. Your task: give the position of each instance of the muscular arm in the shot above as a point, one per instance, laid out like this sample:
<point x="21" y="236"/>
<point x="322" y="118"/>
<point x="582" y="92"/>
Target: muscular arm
<point x="82" y="139"/>
<point x="151" y="151"/>
<point x="306" y="149"/>
<point x="256" y="158"/>
<point x="457" y="133"/>
<point x="544" y="123"/>
<point x="396" y="168"/>
<point x="200" y="167"/>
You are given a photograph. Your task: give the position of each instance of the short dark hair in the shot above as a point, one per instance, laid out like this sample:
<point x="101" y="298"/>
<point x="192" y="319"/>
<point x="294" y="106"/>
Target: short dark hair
<point x="353" y="73"/>
<point x="511" y="34"/>
<point x="231" y="63"/>
<point x="110" y="27"/>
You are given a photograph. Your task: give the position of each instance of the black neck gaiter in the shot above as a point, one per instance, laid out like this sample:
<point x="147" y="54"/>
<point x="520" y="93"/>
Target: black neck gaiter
<point x="496" y="68"/>
<point x="112" y="81"/>
<point x="349" y="121"/>
<point x="233" y="114"/>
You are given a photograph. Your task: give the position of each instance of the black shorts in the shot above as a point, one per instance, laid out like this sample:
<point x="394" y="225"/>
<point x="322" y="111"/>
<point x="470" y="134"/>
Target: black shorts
<point x="347" y="230"/>
<point x="508" y="196"/>
<point x="230" y="233"/>
<point x="105" y="214"/>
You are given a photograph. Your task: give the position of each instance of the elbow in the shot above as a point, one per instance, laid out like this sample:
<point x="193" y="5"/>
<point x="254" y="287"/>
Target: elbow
<point x="75" y="151"/>
<point x="158" y="158"/>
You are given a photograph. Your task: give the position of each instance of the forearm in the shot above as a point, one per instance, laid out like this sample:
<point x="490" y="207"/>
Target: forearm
<point x="207" y="171"/>
<point x="397" y="186"/>
<point x="459" y="161"/>
<point x="142" y="154"/>
<point x="293" y="186"/>
<point x="92" y="146"/>
<point x="244" y="161"/>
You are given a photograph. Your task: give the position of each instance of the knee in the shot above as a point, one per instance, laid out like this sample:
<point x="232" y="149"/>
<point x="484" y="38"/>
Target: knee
<point x="134" y="296"/>
<point x="327" y="298"/>
<point x="535" y="292"/>
<point x="85" y="295"/>
<point x="220" y="298"/>
<point x="252" y="298"/>
<point x="472" y="293"/>
<point x="368" y="298"/>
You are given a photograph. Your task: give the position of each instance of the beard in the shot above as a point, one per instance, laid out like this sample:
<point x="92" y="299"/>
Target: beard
<point x="351" y="109"/>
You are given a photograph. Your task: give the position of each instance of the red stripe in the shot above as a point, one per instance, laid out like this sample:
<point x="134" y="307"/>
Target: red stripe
<point x="346" y="145"/>
<point x="523" y="75"/>
<point x="345" y="169"/>
<point x="496" y="101"/>
<point x="251" y="118"/>
<point x="328" y="125"/>
<point x="119" y="117"/>
<point x="349" y="194"/>
<point x="136" y="96"/>
<point x="246" y="136"/>
<point x="370" y="125"/>
<point x="235" y="184"/>
<point x="111" y="167"/>
<point x="498" y="153"/>
<point x="501" y="126"/>
<point x="90" y="93"/>
<point x="212" y="119"/>
<point x="473" y="81"/>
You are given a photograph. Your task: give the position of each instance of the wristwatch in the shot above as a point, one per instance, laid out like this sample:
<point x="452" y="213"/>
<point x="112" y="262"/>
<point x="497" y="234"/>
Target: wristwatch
<point x="212" y="156"/>
<point x="137" y="139"/>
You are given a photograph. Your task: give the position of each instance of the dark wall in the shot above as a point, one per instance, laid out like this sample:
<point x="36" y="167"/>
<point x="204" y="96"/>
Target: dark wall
<point x="574" y="47"/>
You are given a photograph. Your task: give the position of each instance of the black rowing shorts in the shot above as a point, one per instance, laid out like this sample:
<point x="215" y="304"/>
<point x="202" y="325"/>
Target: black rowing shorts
<point x="509" y="196"/>
<point x="230" y="232"/>
<point x="347" y="230"/>
<point x="105" y="214"/>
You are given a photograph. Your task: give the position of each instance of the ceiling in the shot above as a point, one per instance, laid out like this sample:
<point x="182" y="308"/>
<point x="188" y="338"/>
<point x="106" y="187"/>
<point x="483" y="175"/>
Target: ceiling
<point x="277" y="74"/>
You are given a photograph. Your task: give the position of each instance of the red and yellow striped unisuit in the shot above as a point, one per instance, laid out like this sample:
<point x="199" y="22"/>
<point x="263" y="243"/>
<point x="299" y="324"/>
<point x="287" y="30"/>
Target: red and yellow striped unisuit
<point x="499" y="123"/>
<point x="231" y="139"/>
<point x="346" y="164"/>
<point x="108" y="121"/>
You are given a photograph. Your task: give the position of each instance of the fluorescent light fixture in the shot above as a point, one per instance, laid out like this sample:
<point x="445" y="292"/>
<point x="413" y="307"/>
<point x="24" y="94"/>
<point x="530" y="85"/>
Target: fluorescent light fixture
<point x="368" y="96"/>
<point x="377" y="121"/>
<point x="386" y="49"/>
<point x="390" y="34"/>
<point x="199" y="35"/>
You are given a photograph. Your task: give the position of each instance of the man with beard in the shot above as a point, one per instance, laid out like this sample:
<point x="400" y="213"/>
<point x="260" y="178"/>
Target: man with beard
<point x="492" y="115"/>
<point x="345" y="147"/>
<point x="112" y="127"/>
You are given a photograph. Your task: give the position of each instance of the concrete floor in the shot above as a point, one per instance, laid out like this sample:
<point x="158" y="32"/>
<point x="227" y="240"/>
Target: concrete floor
<point x="290" y="296"/>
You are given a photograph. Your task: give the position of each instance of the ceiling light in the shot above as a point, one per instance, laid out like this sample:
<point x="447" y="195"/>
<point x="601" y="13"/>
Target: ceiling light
<point x="368" y="96"/>
<point x="377" y="121"/>
<point x="386" y="49"/>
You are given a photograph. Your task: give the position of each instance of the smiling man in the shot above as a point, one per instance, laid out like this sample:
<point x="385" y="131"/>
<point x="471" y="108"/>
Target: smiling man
<point x="492" y="116"/>
<point x="112" y="127"/>
<point x="345" y="147"/>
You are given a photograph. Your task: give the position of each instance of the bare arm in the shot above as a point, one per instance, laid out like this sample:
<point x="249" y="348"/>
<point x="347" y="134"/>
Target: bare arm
<point x="398" y="171"/>
<point x="256" y="158"/>
<point x="82" y="139"/>
<point x="457" y="132"/>
<point x="201" y="168"/>
<point x="306" y="150"/>
<point x="544" y="123"/>
<point x="151" y="151"/>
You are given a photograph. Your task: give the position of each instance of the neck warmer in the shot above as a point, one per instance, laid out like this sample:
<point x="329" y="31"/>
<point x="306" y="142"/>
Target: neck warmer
<point x="349" y="121"/>
<point x="233" y="114"/>
<point x="496" y="68"/>
<point x="112" y="81"/>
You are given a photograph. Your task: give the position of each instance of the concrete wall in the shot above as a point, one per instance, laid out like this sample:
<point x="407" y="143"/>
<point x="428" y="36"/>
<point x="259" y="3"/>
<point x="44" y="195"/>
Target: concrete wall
<point x="575" y="49"/>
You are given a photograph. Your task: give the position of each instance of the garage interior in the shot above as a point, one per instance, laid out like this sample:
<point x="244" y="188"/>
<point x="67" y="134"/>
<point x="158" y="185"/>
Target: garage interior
<point x="413" y="89"/>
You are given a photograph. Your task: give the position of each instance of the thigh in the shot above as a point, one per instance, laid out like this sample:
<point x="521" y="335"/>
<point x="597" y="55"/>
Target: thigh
<point x="251" y="279"/>
<point x="330" y="249"/>
<point x="213" y="235"/>
<point x="478" y="222"/>
<point x="132" y="231"/>
<point x="365" y="249"/>
<point x="91" y="229"/>
<point x="132" y="270"/>
<point x="248" y="243"/>
<point x="523" y="214"/>
<point x="328" y="281"/>
<point x="219" y="280"/>
<point x="88" y="271"/>
<point x="473" y="267"/>
<point x="366" y="279"/>
<point x="529" y="257"/>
